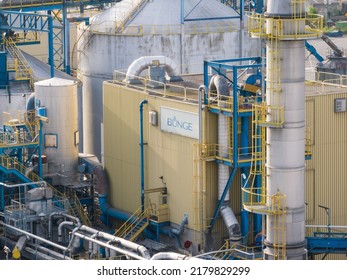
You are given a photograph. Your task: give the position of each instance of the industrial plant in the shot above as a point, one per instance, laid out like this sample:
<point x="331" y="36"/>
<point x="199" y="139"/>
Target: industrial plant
<point x="171" y="130"/>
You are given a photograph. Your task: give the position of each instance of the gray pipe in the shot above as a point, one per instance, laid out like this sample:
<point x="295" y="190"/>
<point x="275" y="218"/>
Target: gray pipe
<point x="41" y="183"/>
<point x="138" y="65"/>
<point x="220" y="84"/>
<point x="113" y="248"/>
<point x="182" y="225"/>
<point x="50" y="227"/>
<point x="169" y="256"/>
<point x="64" y="249"/>
<point x="60" y="229"/>
<point x="125" y="243"/>
<point x="90" y="245"/>
<point x="172" y="256"/>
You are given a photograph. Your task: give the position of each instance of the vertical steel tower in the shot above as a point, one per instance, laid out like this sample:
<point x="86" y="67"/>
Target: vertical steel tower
<point x="285" y="25"/>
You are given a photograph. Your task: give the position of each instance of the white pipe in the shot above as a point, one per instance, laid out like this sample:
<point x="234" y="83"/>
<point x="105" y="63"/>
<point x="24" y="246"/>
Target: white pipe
<point x="220" y="85"/>
<point x="50" y="227"/>
<point x="113" y="248"/>
<point x="64" y="249"/>
<point x="41" y="183"/>
<point x="171" y="256"/>
<point x="125" y="243"/>
<point x="142" y="63"/>
<point x="182" y="225"/>
<point x="90" y="245"/>
<point x="60" y="229"/>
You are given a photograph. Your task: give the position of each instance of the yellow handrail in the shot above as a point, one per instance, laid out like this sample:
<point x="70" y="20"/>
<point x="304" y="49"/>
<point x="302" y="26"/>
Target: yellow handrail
<point x="135" y="219"/>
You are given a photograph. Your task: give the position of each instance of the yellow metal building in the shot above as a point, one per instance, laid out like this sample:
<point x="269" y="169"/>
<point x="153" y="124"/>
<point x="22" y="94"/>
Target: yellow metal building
<point x="172" y="160"/>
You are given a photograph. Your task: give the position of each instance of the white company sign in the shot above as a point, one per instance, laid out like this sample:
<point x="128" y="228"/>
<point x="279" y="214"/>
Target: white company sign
<point x="179" y="122"/>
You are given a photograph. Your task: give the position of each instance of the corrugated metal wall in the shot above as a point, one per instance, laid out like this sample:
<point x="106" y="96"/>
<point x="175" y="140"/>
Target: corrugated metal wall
<point x="326" y="173"/>
<point x="171" y="156"/>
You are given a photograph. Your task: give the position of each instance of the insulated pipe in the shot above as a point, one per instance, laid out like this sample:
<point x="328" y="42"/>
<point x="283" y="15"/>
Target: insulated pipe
<point x="142" y="161"/>
<point x="63" y="214"/>
<point x="125" y="243"/>
<point x="64" y="249"/>
<point x="60" y="229"/>
<point x="113" y="248"/>
<point x="220" y="85"/>
<point x="102" y="186"/>
<point x="169" y="256"/>
<point x="182" y="225"/>
<point x="90" y="246"/>
<point x="40" y="183"/>
<point x="142" y="63"/>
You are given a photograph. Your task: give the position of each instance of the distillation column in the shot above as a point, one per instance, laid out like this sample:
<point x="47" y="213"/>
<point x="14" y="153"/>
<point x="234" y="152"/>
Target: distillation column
<point x="285" y="160"/>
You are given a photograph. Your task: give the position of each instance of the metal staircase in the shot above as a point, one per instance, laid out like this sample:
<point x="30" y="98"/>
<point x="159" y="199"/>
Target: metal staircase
<point x="134" y="226"/>
<point x="12" y="165"/>
<point x="136" y="7"/>
<point x="78" y="209"/>
<point x="18" y="63"/>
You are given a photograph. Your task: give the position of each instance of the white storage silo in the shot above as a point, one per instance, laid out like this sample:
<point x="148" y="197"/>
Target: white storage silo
<point x="60" y="134"/>
<point x="132" y="29"/>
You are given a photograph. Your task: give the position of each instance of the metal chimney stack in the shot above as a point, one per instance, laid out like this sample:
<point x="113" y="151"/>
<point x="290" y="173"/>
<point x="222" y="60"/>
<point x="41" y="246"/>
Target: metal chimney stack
<point x="285" y="25"/>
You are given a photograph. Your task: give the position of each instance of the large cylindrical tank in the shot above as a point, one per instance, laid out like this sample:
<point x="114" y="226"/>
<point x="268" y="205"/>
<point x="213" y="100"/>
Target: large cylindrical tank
<point x="134" y="28"/>
<point x="60" y="134"/>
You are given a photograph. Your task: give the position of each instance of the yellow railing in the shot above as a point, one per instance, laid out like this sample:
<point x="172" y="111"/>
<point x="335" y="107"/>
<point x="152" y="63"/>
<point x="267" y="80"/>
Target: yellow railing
<point x="238" y="251"/>
<point x="80" y="211"/>
<point x="27" y="37"/>
<point x="134" y="9"/>
<point x="310" y="26"/>
<point x="160" y="214"/>
<point x="225" y="103"/>
<point x="308" y="141"/>
<point x="20" y="137"/>
<point x="135" y="220"/>
<point x="117" y="29"/>
<point x="256" y="200"/>
<point x="12" y="163"/>
<point x="22" y="67"/>
<point x="245" y="154"/>
<point x="243" y="252"/>
<point x="268" y="115"/>
<point x="163" y="89"/>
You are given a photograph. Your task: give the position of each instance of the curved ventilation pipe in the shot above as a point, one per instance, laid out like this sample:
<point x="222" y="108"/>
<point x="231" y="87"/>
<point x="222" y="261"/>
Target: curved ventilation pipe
<point x="102" y="187"/>
<point x="220" y="85"/>
<point x="172" y="256"/>
<point x="143" y="251"/>
<point x="182" y="225"/>
<point x="143" y="62"/>
<point x="31" y="102"/>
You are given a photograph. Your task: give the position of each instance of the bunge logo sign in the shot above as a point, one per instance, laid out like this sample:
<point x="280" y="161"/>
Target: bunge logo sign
<point x="179" y="122"/>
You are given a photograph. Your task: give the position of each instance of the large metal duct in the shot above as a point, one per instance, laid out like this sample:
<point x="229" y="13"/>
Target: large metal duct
<point x="220" y="85"/>
<point x="285" y="161"/>
<point x="142" y="63"/>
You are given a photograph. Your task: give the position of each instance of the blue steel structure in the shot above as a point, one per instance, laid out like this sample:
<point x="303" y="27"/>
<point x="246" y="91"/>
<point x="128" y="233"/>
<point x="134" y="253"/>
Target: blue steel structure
<point x="239" y="160"/>
<point x="240" y="12"/>
<point x="59" y="34"/>
<point x="321" y="242"/>
<point x="30" y="22"/>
